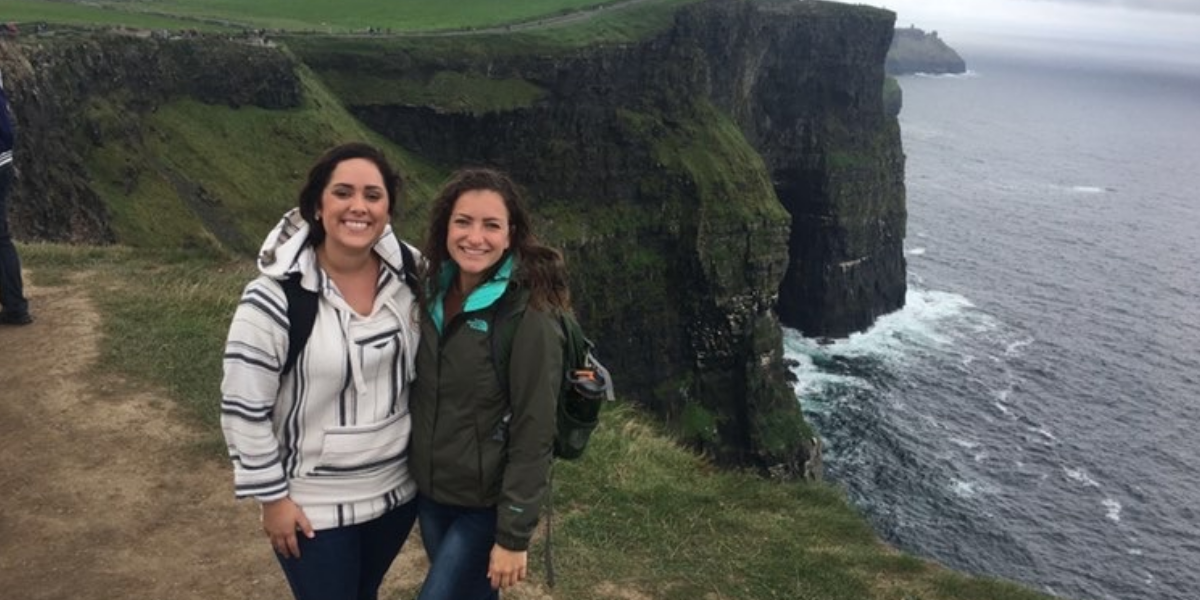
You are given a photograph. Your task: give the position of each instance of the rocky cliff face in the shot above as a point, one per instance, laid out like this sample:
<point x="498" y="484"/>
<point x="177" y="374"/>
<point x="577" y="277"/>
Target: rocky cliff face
<point x="914" y="51"/>
<point x="738" y="166"/>
<point x="702" y="145"/>
<point x="675" y="239"/>
<point x="75" y="92"/>
<point x="804" y="81"/>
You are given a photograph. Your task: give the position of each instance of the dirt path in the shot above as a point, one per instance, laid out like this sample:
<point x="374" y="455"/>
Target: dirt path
<point x="101" y="494"/>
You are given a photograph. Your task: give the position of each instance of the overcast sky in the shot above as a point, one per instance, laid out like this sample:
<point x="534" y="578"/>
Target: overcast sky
<point x="1142" y="21"/>
<point x="1157" y="30"/>
<point x="1179" y="6"/>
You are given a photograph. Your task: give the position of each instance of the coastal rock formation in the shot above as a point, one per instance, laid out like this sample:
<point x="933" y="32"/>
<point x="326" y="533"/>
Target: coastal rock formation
<point x="740" y="164"/>
<point x="80" y="91"/>
<point x="807" y="93"/>
<point x="679" y="153"/>
<point x="914" y="51"/>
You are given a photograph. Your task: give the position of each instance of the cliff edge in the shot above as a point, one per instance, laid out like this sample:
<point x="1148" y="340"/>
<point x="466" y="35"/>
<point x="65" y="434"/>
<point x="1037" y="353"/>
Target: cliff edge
<point x="736" y="169"/>
<point x="914" y="51"/>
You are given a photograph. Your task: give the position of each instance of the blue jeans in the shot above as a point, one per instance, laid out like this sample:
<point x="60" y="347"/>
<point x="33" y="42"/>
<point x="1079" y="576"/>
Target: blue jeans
<point x="458" y="542"/>
<point x="12" y="294"/>
<point x="348" y="563"/>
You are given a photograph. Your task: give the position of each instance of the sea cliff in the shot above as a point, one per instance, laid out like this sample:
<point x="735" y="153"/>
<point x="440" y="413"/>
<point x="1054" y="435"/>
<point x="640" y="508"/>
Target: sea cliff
<point x="914" y="51"/>
<point x="76" y="92"/>
<point x="738" y="168"/>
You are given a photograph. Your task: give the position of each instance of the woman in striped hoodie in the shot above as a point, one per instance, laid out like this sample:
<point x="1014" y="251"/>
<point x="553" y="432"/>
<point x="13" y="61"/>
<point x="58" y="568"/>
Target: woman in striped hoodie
<point x="322" y="443"/>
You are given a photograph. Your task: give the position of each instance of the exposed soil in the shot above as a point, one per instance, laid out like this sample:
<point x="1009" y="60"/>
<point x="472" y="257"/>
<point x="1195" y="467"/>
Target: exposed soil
<point x="102" y="492"/>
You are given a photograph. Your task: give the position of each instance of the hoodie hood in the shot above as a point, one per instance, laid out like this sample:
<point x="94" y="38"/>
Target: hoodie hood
<point x="286" y="250"/>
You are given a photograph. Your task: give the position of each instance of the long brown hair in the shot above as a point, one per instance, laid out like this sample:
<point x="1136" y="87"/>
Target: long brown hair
<point x="540" y="268"/>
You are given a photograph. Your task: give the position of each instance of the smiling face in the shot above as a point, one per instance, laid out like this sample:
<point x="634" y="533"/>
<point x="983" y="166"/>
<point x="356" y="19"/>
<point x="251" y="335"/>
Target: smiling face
<point x="354" y="207"/>
<point x="477" y="235"/>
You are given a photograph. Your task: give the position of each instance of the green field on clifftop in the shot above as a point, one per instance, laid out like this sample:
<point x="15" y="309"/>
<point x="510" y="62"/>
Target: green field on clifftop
<point x="68" y="13"/>
<point x="317" y="16"/>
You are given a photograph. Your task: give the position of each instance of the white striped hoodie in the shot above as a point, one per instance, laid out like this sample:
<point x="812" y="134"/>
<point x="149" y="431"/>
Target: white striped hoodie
<point x="333" y="434"/>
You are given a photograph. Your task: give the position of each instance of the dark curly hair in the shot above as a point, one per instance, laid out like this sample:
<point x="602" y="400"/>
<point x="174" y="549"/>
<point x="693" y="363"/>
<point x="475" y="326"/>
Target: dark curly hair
<point x="322" y="170"/>
<point x="540" y="268"/>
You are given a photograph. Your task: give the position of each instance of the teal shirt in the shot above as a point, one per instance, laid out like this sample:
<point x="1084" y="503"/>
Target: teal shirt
<point x="480" y="298"/>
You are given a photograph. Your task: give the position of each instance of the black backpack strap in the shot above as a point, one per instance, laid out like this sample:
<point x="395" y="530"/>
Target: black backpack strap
<point x="408" y="269"/>
<point x="302" y="314"/>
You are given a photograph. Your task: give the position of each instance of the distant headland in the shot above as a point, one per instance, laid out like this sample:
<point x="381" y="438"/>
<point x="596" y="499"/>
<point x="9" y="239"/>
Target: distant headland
<point x="914" y="51"/>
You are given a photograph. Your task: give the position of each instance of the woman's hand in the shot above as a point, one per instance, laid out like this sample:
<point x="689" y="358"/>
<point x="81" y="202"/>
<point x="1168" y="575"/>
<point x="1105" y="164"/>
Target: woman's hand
<point x="507" y="567"/>
<point x="280" y="520"/>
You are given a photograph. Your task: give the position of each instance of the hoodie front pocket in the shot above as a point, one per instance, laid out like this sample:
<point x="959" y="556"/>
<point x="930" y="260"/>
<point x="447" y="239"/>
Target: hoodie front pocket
<point x="362" y="448"/>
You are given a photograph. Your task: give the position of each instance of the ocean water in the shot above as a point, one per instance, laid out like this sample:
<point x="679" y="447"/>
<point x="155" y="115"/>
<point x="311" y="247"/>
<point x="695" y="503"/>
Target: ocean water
<point x="1033" y="412"/>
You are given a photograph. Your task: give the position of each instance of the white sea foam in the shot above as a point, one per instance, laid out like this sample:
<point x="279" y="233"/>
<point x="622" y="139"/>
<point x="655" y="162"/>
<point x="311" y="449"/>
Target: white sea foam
<point x="1014" y="348"/>
<point x="1134" y="551"/>
<point x="968" y="444"/>
<point x="809" y="378"/>
<point x="1000" y="401"/>
<point x="929" y="318"/>
<point x="963" y="489"/>
<point x="1042" y="431"/>
<point x="1080" y="476"/>
<point x="1112" y="510"/>
<point x="968" y="74"/>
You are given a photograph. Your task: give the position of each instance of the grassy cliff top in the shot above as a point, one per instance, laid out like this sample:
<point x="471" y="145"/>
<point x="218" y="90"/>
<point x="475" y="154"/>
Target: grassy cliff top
<point x="322" y="16"/>
<point x="94" y="15"/>
<point x="637" y="517"/>
<point x="470" y="26"/>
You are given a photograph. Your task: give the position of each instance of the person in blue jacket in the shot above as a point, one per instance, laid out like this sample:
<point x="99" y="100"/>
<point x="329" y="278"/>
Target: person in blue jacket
<point x="14" y="308"/>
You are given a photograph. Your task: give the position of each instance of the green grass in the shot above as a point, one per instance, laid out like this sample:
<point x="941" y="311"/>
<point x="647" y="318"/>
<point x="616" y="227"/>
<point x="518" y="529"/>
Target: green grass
<point x="637" y="517"/>
<point x="610" y="27"/>
<point x="165" y="315"/>
<point x="529" y="30"/>
<point x="207" y="144"/>
<point x="355" y="64"/>
<point x="200" y="177"/>
<point x="731" y="186"/>
<point x="323" y="16"/>
<point x="92" y="14"/>
<point x="343" y="15"/>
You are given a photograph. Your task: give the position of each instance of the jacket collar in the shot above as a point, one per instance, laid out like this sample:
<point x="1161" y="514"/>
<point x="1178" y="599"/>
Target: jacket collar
<point x="481" y="297"/>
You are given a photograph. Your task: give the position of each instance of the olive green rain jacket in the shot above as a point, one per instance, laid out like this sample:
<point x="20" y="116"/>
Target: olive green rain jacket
<point x="475" y="444"/>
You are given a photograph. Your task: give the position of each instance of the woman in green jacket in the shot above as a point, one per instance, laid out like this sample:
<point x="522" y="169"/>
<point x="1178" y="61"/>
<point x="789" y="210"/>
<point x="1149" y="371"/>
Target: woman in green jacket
<point x="481" y="444"/>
